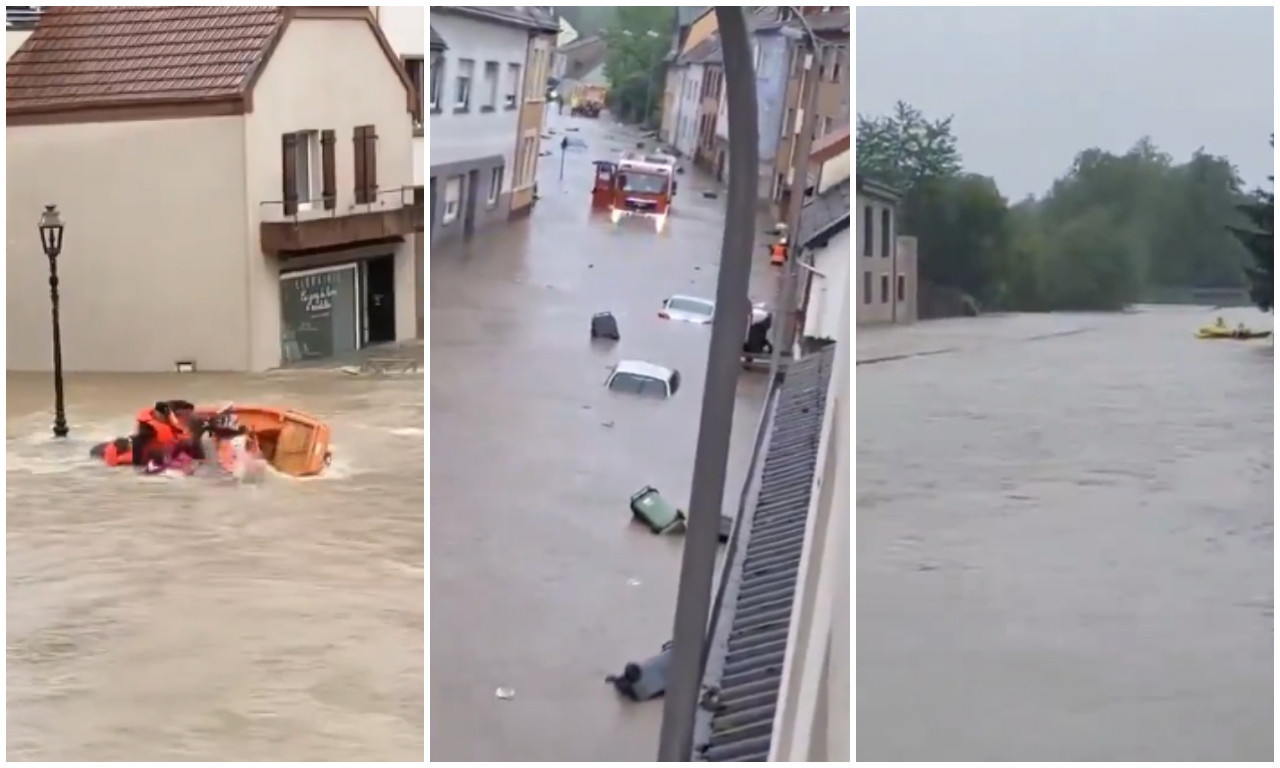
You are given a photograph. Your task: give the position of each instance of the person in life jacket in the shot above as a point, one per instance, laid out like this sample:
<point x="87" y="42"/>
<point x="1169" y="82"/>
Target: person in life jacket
<point x="161" y="430"/>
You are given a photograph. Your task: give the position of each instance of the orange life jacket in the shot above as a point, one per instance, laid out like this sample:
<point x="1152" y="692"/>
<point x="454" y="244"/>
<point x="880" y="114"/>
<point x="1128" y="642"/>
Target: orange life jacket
<point x="778" y="253"/>
<point x="167" y="431"/>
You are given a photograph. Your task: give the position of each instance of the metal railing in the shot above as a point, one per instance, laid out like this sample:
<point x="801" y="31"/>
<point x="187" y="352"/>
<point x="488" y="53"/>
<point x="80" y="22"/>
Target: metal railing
<point x="313" y="209"/>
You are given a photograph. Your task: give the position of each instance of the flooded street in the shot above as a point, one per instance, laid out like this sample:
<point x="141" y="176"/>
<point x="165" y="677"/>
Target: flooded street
<point x="539" y="582"/>
<point x="155" y="618"/>
<point x="1064" y="541"/>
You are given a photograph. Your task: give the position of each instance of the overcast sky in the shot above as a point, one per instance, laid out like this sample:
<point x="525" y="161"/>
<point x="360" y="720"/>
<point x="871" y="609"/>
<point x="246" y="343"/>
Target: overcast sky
<point x="1030" y="87"/>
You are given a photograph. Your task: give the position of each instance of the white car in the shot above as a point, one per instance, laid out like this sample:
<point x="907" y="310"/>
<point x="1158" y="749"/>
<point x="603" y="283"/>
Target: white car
<point x="688" y="309"/>
<point x="640" y="378"/>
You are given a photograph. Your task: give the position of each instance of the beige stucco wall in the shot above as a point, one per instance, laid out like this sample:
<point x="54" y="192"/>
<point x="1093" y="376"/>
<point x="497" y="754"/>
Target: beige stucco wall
<point x="13" y="40"/>
<point x="870" y="271"/>
<point x="306" y="86"/>
<point x="153" y="208"/>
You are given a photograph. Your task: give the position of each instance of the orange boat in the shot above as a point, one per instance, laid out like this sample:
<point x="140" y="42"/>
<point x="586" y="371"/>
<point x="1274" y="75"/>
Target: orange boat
<point x="292" y="442"/>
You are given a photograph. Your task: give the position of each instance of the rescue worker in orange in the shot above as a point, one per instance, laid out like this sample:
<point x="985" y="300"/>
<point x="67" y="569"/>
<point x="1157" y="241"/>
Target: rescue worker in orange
<point x="163" y="429"/>
<point x="778" y="251"/>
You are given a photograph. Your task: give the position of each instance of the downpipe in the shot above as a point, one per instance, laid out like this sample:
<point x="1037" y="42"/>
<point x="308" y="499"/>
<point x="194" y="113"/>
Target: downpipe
<point x="728" y="329"/>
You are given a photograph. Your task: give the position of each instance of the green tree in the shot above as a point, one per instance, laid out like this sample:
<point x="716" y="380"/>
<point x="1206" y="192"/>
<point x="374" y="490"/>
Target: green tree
<point x="1259" y="238"/>
<point x="638" y="40"/>
<point x="960" y="224"/>
<point x="905" y="148"/>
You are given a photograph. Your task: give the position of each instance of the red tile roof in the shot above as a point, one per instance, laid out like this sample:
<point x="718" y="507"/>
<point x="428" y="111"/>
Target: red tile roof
<point x="97" y="63"/>
<point x="111" y="56"/>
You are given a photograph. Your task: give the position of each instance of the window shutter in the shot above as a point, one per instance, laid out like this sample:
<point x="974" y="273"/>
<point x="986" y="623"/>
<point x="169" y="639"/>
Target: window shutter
<point x="371" y="163"/>
<point x="358" y="145"/>
<point x="289" y="172"/>
<point x="330" y="172"/>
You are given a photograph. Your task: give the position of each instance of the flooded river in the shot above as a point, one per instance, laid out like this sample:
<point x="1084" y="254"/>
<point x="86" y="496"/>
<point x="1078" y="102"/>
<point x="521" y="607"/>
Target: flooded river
<point x="539" y="583"/>
<point x="1064" y="535"/>
<point x="200" y="619"/>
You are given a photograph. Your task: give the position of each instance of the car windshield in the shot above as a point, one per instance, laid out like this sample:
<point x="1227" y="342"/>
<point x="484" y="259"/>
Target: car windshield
<point x="642" y="183"/>
<point x="639" y="385"/>
<point x="692" y="306"/>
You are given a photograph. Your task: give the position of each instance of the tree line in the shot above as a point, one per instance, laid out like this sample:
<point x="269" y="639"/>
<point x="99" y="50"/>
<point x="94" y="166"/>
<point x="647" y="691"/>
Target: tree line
<point x="1113" y="230"/>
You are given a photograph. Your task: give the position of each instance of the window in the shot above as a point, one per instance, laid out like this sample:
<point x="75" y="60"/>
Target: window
<point x="452" y="198"/>
<point x="789" y="126"/>
<point x="495" y="185"/>
<point x="413" y="68"/>
<point x="827" y="123"/>
<point x="779" y="185"/>
<point x="902" y="288"/>
<point x="300" y="170"/>
<point x="884" y="289"/>
<point x="868" y="234"/>
<point x="462" y="88"/>
<point x="526" y="158"/>
<point x="437" y="78"/>
<point x="490" y="92"/>
<point x="513" y="86"/>
<point x="755" y="56"/>
<point x="866" y="281"/>
<point x="836" y="63"/>
<point x="365" y="150"/>
<point x="886" y="235"/>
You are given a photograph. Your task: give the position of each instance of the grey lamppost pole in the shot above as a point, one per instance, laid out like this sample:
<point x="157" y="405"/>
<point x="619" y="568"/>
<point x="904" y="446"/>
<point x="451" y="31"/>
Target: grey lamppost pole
<point x="697" y="569"/>
<point x="51" y="228"/>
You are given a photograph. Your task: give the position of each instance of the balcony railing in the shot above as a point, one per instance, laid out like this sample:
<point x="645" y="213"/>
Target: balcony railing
<point x="313" y="209"/>
<point x="392" y="213"/>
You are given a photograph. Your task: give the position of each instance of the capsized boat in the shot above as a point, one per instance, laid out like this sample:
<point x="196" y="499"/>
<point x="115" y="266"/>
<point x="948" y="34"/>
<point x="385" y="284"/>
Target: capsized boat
<point x="292" y="442"/>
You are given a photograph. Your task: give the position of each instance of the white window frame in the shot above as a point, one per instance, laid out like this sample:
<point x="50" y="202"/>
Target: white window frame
<point x="466" y="75"/>
<point x="307" y="169"/>
<point x="437" y="81"/>
<point x="495" y="185"/>
<point x="450" y="214"/>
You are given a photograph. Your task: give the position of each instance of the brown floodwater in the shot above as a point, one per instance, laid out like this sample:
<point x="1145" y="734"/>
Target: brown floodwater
<point x="155" y="618"/>
<point x="1064" y="537"/>
<point x="539" y="582"/>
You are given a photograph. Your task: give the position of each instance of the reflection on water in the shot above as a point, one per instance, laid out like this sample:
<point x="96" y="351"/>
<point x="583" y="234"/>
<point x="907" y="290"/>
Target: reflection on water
<point x="200" y="618"/>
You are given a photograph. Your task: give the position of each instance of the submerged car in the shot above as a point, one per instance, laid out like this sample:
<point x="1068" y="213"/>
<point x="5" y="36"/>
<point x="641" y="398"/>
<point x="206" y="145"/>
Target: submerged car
<point x="688" y="309"/>
<point x="640" y="378"/>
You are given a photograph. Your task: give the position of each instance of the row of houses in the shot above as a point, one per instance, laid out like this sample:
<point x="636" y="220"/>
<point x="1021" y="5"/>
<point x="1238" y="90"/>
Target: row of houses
<point x="694" y="117"/>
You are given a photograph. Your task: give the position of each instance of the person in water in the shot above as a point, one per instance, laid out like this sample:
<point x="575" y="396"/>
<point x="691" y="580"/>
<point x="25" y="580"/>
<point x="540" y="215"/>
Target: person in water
<point x="165" y="429"/>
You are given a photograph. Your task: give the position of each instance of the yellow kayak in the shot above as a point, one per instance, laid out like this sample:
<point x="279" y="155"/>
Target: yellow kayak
<point x="1238" y="334"/>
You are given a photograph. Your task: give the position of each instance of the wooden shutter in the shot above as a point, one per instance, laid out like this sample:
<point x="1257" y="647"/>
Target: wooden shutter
<point x="371" y="163"/>
<point x="358" y="146"/>
<point x="289" y="172"/>
<point x="330" y="172"/>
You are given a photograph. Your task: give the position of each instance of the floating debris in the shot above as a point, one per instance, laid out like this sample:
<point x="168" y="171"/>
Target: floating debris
<point x="505" y="694"/>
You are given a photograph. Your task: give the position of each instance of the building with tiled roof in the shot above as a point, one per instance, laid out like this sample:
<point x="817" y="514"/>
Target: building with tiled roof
<point x="263" y="154"/>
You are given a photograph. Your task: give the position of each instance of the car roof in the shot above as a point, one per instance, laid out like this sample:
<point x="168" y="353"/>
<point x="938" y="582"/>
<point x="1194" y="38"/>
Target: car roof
<point x="641" y="368"/>
<point x="687" y="297"/>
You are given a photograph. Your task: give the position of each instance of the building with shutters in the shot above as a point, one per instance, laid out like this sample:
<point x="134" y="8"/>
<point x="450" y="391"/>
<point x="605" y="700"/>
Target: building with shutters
<point x="237" y="186"/>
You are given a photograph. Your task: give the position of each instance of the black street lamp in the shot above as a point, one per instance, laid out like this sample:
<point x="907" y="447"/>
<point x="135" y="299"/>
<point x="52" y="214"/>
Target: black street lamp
<point x="51" y="240"/>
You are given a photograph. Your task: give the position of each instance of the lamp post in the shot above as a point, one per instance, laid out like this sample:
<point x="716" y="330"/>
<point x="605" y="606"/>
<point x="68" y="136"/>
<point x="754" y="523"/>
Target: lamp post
<point x="51" y="227"/>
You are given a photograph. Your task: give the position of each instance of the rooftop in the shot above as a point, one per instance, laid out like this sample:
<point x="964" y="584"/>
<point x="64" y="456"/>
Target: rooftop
<point x="706" y="52"/>
<point x="759" y="577"/>
<point x="532" y="17"/>
<point x="437" y="42"/>
<point x="102" y="57"/>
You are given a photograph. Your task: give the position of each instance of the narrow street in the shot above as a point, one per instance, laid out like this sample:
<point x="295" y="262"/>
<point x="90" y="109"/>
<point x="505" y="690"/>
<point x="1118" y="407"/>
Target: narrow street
<point x="539" y="581"/>
<point x="161" y="618"/>
<point x="1064" y="539"/>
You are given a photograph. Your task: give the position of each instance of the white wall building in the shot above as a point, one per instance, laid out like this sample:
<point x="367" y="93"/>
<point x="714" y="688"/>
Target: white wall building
<point x="403" y="26"/>
<point x="690" y="110"/>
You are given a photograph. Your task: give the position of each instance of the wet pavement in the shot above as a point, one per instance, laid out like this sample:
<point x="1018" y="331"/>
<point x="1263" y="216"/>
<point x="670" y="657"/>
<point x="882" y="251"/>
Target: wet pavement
<point x="155" y="618"/>
<point x="1064" y="540"/>
<point x="539" y="582"/>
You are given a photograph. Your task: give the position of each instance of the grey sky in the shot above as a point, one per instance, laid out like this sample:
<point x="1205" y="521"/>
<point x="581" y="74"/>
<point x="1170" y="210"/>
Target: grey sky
<point x="1030" y="87"/>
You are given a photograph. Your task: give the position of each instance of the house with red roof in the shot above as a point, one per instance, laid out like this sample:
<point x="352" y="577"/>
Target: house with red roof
<point x="236" y="183"/>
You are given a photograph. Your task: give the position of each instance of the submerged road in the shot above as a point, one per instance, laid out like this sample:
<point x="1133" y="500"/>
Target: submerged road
<point x="1064" y="534"/>
<point x="539" y="582"/>
<point x="154" y="618"/>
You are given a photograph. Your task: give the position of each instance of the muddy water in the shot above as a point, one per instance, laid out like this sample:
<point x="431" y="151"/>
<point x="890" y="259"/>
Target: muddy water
<point x="1065" y="543"/>
<point x="200" y="619"/>
<point x="539" y="582"/>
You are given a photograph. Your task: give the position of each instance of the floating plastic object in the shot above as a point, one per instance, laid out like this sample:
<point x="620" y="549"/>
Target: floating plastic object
<point x="644" y="680"/>
<point x="604" y="326"/>
<point x="661" y="516"/>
